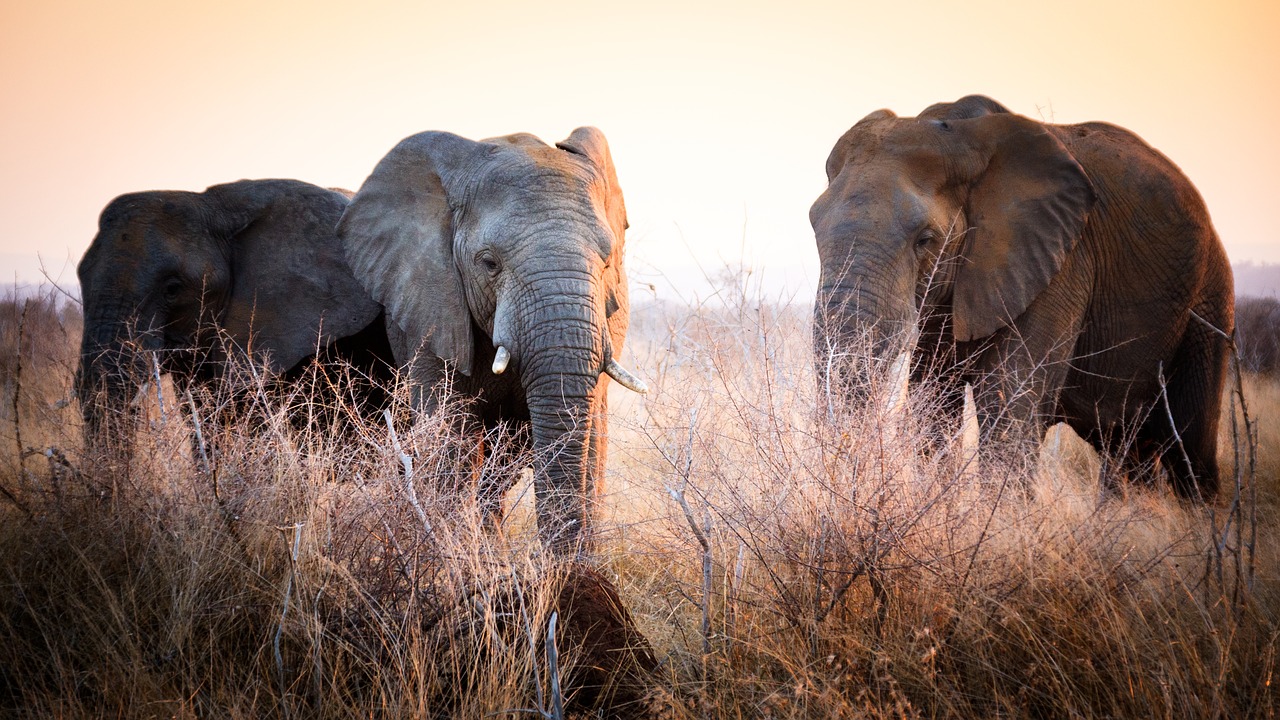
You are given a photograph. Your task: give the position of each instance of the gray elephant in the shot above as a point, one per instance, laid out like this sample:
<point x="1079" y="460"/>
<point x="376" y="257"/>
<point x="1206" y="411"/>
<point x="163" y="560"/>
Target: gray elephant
<point x="500" y="264"/>
<point x="1069" y="271"/>
<point x="257" y="260"/>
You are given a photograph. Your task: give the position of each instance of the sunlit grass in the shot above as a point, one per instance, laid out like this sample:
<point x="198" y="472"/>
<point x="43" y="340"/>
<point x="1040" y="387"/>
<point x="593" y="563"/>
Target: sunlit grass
<point x="782" y="561"/>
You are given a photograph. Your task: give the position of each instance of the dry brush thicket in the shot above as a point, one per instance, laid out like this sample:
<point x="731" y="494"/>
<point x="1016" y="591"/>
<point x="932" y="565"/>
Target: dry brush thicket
<point x="1258" y="330"/>
<point x="784" y="556"/>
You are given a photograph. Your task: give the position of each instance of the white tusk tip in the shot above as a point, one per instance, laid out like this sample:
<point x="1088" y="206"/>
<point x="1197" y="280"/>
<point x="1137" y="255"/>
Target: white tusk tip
<point x="625" y="377"/>
<point x="500" y="360"/>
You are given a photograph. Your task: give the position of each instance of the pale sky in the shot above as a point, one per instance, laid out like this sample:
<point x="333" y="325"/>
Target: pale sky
<point x="720" y="116"/>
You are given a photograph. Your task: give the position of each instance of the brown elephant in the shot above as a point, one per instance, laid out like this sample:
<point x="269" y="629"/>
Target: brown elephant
<point x="254" y="260"/>
<point x="500" y="264"/>
<point x="1069" y="271"/>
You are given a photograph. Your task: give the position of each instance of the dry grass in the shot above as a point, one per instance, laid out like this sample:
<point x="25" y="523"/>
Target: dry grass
<point x="783" y="562"/>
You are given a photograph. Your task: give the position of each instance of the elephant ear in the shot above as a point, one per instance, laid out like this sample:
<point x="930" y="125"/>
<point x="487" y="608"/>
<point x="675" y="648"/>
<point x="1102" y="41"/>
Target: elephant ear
<point x="590" y="143"/>
<point x="1027" y="207"/>
<point x="398" y="238"/>
<point x="291" y="289"/>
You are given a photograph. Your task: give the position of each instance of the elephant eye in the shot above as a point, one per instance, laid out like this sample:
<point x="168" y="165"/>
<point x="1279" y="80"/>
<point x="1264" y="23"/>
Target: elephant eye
<point x="486" y="260"/>
<point x="172" y="288"/>
<point x="925" y="238"/>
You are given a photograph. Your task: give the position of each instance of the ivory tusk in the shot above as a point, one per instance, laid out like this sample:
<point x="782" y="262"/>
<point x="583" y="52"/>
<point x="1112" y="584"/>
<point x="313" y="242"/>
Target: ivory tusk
<point x="899" y="375"/>
<point x="625" y="377"/>
<point x="969" y="434"/>
<point x="969" y="431"/>
<point x="500" y="360"/>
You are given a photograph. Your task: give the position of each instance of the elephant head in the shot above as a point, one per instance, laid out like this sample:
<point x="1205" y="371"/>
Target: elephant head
<point x="256" y="258"/>
<point x="964" y="213"/>
<point x="506" y="256"/>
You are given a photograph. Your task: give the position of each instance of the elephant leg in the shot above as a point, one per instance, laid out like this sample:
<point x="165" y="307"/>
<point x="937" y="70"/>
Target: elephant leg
<point x="1017" y="393"/>
<point x="935" y="366"/>
<point x="504" y="454"/>
<point x="366" y="360"/>
<point x="473" y="471"/>
<point x="1187" y="448"/>
<point x="1126" y="457"/>
<point x="435" y="391"/>
<point x="1022" y="373"/>
<point x="948" y="417"/>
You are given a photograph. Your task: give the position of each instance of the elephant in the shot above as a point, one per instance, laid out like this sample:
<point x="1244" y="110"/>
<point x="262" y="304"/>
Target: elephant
<point x="255" y="262"/>
<point x="500" y="264"/>
<point x="1069" y="272"/>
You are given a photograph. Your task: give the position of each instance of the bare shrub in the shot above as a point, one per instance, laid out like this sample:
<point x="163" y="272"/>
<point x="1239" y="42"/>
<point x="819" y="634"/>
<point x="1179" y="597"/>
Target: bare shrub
<point x="1258" y="333"/>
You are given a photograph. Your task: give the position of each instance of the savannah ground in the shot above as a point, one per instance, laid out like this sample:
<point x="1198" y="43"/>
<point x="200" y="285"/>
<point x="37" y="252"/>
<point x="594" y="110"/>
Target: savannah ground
<point x="785" y="556"/>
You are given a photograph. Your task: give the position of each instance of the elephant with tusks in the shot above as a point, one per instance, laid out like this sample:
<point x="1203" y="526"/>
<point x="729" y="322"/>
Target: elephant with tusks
<point x="1069" y="272"/>
<point x="500" y="264"/>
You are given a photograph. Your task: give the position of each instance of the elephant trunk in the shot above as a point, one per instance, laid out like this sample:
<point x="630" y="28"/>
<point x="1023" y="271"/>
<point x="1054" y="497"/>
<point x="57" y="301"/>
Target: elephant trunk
<point x="561" y="362"/>
<point x="860" y="326"/>
<point x="113" y="363"/>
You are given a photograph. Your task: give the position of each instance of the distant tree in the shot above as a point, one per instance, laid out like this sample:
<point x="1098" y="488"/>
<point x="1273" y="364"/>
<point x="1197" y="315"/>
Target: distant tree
<point x="1258" y="333"/>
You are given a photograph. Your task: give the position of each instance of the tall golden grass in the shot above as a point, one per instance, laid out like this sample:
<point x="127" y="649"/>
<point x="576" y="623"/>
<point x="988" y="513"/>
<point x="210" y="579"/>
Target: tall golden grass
<point x="785" y="556"/>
